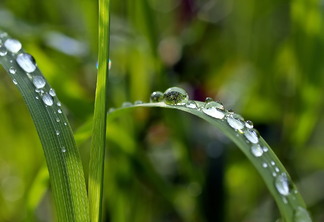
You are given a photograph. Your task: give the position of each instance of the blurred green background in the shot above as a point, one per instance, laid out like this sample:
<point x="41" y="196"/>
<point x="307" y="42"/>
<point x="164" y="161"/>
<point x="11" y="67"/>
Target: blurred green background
<point x="264" y="59"/>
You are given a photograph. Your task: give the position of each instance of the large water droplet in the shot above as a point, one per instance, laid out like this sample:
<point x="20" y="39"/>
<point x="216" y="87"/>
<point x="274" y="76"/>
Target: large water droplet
<point x="282" y="184"/>
<point x="12" y="45"/>
<point x="3" y="51"/>
<point x="39" y="82"/>
<point x="256" y="150"/>
<point x="301" y="215"/>
<point x="235" y="122"/>
<point x="26" y="62"/>
<point x="175" y="96"/>
<point x="214" y="109"/>
<point x="52" y="92"/>
<point x="47" y="99"/>
<point x="156" y="97"/>
<point x="12" y="70"/>
<point x="251" y="135"/>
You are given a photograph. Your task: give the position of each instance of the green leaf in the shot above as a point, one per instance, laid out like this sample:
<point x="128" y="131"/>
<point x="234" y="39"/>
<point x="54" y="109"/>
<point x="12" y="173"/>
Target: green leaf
<point x="97" y="152"/>
<point x="275" y="176"/>
<point x="62" y="156"/>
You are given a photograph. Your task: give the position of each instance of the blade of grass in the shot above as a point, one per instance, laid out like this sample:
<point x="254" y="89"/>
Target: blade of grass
<point x="291" y="205"/>
<point x="97" y="152"/>
<point x="62" y="156"/>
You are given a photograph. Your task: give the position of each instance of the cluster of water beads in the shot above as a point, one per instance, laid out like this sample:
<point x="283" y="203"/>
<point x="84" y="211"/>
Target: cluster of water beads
<point x="28" y="64"/>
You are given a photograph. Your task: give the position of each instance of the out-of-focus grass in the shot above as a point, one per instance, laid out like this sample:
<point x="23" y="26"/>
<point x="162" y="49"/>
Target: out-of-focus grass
<point x="263" y="59"/>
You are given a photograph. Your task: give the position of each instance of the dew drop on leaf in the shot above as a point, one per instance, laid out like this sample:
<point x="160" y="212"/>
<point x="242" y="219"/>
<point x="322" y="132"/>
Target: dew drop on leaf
<point x="191" y="104"/>
<point x="249" y="124"/>
<point x="58" y="104"/>
<point x="235" y="122"/>
<point x="175" y="96"/>
<point x="3" y="51"/>
<point x="282" y="184"/>
<point x="256" y="150"/>
<point x="52" y="92"/>
<point x="301" y="215"/>
<point x="214" y="109"/>
<point x="15" y="81"/>
<point x="63" y="149"/>
<point x="26" y="62"/>
<point x="57" y="132"/>
<point x="47" y="99"/>
<point x="126" y="104"/>
<point x="251" y="135"/>
<point x="13" y="45"/>
<point x="59" y="111"/>
<point x="264" y="165"/>
<point x="138" y="102"/>
<point x="39" y="82"/>
<point x="156" y="97"/>
<point x="12" y="70"/>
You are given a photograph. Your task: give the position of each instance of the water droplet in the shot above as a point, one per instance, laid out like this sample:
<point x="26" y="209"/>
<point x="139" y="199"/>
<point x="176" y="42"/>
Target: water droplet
<point x="256" y="150"/>
<point x="47" y="99"/>
<point x="249" y="124"/>
<point x="52" y="92"/>
<point x="58" y="104"/>
<point x="13" y="45"/>
<point x="156" y="97"/>
<point x="127" y="104"/>
<point x="111" y="110"/>
<point x="29" y="76"/>
<point x="3" y="34"/>
<point x="58" y="120"/>
<point x="251" y="135"/>
<point x="191" y="104"/>
<point x="264" y="165"/>
<point x="15" y="81"/>
<point x="3" y="51"/>
<point x="36" y="97"/>
<point x="26" y="62"/>
<point x="175" y="96"/>
<point x="274" y="174"/>
<point x="265" y="149"/>
<point x="39" y="82"/>
<point x="235" y="122"/>
<point x="65" y="124"/>
<point x="301" y="215"/>
<point x="273" y="163"/>
<point x="284" y="200"/>
<point x="57" y="132"/>
<point x="138" y="102"/>
<point x="59" y="111"/>
<point x="12" y="70"/>
<point x="109" y="64"/>
<point x="214" y="109"/>
<point x="208" y="100"/>
<point x="282" y="184"/>
<point x="277" y="169"/>
<point x="63" y="149"/>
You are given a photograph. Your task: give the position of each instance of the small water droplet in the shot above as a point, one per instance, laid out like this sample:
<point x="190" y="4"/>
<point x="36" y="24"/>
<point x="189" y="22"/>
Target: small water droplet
<point x="208" y="100"/>
<point x="274" y="174"/>
<point x="109" y="64"/>
<point x="282" y="184"/>
<point x="12" y="70"/>
<point x="15" y="81"/>
<point x="65" y="124"/>
<point x="3" y="34"/>
<point x="58" y="104"/>
<point x="47" y="99"/>
<point x="273" y="163"/>
<point x="11" y="61"/>
<point x="127" y="104"/>
<point x="57" y="132"/>
<point x="36" y="97"/>
<point x="265" y="149"/>
<point x="249" y="124"/>
<point x="156" y="97"/>
<point x="175" y="96"/>
<point x="58" y="120"/>
<point x="256" y="150"/>
<point x="277" y="169"/>
<point x="59" y="111"/>
<point x="214" y="109"/>
<point x="13" y="45"/>
<point x="29" y="76"/>
<point x="191" y="104"/>
<point x="3" y="51"/>
<point x="39" y="82"/>
<point x="284" y="200"/>
<point x="301" y="215"/>
<point x="63" y="149"/>
<point x="26" y="62"/>
<point x="251" y="135"/>
<point x="264" y="165"/>
<point x="111" y="110"/>
<point x="235" y="122"/>
<point x="138" y="102"/>
<point x="52" y="92"/>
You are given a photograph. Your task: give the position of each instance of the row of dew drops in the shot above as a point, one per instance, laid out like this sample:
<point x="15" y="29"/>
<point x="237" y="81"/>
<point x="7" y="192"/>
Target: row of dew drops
<point x="179" y="97"/>
<point x="28" y="64"/>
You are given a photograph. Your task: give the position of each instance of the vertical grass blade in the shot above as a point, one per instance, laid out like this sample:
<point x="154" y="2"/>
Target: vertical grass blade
<point x="97" y="151"/>
<point x="62" y="156"/>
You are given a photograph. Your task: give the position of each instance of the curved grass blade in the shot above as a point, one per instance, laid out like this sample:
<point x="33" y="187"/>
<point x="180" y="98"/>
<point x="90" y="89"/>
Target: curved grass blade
<point x="290" y="203"/>
<point x="97" y="152"/>
<point x="62" y="156"/>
